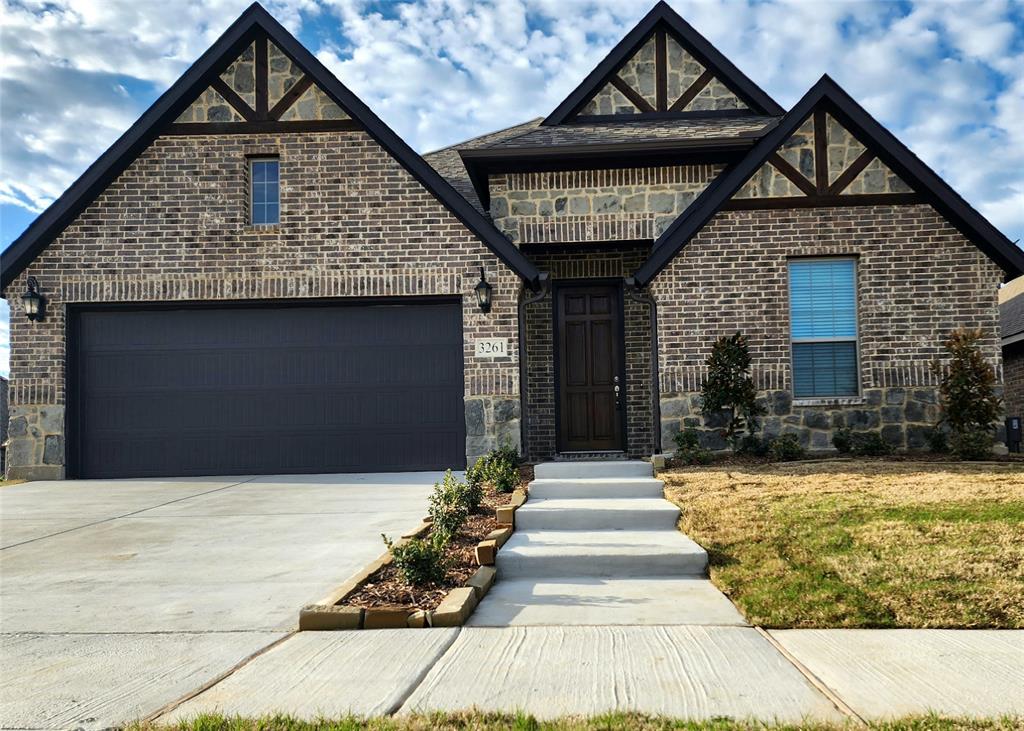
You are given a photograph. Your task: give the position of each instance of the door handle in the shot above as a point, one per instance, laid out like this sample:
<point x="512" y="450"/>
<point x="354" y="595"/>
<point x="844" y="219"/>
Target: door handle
<point x="618" y="392"/>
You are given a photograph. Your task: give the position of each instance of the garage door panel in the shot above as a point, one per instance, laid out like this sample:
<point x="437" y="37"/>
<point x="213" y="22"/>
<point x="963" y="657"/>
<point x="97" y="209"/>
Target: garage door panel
<point x="266" y="390"/>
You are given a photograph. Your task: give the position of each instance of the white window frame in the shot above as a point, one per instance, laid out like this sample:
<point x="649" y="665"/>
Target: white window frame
<point x="817" y="400"/>
<point x="252" y="190"/>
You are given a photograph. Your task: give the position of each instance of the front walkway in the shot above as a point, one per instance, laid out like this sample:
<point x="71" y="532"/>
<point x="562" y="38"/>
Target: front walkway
<point x="597" y="544"/>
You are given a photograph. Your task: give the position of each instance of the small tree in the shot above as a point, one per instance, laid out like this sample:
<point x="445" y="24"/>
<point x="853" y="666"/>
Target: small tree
<point x="730" y="388"/>
<point x="967" y="389"/>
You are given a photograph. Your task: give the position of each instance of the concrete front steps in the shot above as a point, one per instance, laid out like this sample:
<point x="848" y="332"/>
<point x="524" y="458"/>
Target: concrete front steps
<point x="600" y="553"/>
<point x="597" y="543"/>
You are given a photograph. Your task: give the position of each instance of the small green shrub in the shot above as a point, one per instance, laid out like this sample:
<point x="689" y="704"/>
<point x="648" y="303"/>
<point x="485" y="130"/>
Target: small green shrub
<point x="420" y="561"/>
<point x="938" y="441"/>
<point x="870" y="444"/>
<point x="972" y="444"/>
<point x="688" y="449"/>
<point x="862" y="444"/>
<point x="842" y="439"/>
<point x="752" y="445"/>
<point x="729" y="386"/>
<point x="499" y="467"/>
<point x="786" y="448"/>
<point x="448" y="506"/>
<point x="967" y="389"/>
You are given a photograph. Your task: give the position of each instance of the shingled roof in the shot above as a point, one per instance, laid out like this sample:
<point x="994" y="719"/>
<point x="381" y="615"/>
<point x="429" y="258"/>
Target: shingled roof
<point x="1011" y="319"/>
<point x="447" y="162"/>
<point x="647" y="130"/>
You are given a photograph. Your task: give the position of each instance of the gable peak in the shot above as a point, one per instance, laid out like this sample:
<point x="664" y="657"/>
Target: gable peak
<point x="663" y="67"/>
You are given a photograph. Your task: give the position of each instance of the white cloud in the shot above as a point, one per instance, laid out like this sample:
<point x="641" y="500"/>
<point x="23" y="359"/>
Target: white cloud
<point x="946" y="77"/>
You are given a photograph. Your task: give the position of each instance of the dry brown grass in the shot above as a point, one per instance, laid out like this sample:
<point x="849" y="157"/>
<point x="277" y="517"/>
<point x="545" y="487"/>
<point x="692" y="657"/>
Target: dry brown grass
<point x="476" y="721"/>
<point x="842" y="543"/>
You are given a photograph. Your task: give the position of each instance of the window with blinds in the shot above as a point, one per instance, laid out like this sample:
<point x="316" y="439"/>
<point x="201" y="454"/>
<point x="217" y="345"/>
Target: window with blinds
<point x="823" y="327"/>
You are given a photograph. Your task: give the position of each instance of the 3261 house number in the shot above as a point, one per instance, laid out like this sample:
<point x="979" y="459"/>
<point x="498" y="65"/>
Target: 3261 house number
<point x="491" y="348"/>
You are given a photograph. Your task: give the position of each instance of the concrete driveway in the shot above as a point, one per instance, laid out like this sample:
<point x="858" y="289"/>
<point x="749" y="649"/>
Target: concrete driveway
<point x="119" y="596"/>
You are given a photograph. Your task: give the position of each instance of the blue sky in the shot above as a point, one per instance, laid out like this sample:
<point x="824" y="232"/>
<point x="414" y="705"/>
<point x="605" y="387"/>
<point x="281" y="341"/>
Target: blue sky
<point x="946" y="77"/>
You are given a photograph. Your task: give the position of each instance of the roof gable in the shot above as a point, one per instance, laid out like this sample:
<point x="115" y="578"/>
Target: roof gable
<point x="821" y="163"/>
<point x="663" y="67"/>
<point x="219" y="78"/>
<point x="896" y="168"/>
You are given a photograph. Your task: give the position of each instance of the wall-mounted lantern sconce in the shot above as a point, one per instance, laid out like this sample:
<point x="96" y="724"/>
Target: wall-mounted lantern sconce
<point x="483" y="293"/>
<point x="33" y="301"/>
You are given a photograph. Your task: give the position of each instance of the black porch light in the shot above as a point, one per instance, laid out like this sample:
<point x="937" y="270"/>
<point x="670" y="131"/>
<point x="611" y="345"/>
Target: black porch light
<point x="32" y="300"/>
<point x="483" y="292"/>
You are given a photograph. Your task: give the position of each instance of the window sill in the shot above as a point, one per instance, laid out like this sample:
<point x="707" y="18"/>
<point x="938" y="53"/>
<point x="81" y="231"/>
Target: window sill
<point x="262" y="227"/>
<point x="831" y="401"/>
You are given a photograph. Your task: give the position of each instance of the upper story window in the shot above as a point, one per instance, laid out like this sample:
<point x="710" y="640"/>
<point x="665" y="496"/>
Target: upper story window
<point x="823" y="327"/>
<point x="265" y="198"/>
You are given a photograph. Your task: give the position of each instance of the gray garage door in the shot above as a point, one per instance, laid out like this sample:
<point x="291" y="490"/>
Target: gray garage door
<point x="264" y="390"/>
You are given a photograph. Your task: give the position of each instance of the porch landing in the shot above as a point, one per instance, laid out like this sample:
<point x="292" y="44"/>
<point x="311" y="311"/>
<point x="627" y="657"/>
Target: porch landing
<point x="597" y="544"/>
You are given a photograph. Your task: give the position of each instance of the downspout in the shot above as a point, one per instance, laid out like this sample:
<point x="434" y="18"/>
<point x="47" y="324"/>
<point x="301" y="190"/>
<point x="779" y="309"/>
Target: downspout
<point x="543" y="287"/>
<point x="636" y="294"/>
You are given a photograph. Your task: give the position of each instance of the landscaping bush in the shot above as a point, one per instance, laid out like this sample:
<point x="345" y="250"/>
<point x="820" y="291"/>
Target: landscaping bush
<point x="499" y="467"/>
<point x="786" y="448"/>
<point x="729" y="387"/>
<point x="448" y="506"/>
<point x="938" y="441"/>
<point x="862" y="444"/>
<point x="967" y="392"/>
<point x="688" y="449"/>
<point x="842" y="439"/>
<point x="420" y="561"/>
<point x="753" y="445"/>
<point x="870" y="444"/>
<point x="972" y="444"/>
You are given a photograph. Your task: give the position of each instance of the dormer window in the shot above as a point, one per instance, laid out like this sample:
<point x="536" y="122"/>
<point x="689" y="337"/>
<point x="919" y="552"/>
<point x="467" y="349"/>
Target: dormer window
<point x="265" y="193"/>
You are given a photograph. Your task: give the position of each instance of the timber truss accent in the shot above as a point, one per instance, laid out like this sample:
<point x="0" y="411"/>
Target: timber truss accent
<point x="818" y="155"/>
<point x="822" y="164"/>
<point x="663" y="68"/>
<point x="263" y="90"/>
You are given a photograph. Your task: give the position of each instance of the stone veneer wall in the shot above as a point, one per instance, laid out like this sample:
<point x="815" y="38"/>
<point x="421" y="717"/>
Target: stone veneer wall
<point x="640" y="73"/>
<point x="594" y="205"/>
<point x="588" y="262"/>
<point x="918" y="279"/>
<point x="173" y="227"/>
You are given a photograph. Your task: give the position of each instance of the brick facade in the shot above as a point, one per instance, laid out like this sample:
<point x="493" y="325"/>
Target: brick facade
<point x="173" y="227"/>
<point x="588" y="262"/>
<point x="918" y="279"/>
<point x="1013" y="376"/>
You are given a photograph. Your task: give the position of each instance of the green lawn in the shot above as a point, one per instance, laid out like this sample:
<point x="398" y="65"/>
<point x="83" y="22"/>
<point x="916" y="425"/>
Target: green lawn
<point x="844" y="543"/>
<point x="625" y="722"/>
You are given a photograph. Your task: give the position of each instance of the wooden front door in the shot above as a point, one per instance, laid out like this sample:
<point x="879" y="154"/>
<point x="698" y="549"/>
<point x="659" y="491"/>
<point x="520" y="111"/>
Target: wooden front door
<point x="590" y="389"/>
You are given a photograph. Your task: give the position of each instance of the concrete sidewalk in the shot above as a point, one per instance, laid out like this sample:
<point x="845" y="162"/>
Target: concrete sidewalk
<point x="683" y="671"/>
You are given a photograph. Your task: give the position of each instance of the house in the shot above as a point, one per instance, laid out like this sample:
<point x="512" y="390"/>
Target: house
<point x="3" y="422"/>
<point x="1011" y="323"/>
<point x="261" y="277"/>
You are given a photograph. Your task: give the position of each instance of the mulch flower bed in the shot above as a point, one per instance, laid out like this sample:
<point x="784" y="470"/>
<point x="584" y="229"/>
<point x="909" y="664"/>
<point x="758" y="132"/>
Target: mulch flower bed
<point x="387" y="588"/>
<point x="746" y="460"/>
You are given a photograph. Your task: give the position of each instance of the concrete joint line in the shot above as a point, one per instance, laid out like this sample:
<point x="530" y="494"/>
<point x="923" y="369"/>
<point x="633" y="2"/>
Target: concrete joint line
<point x="126" y="515"/>
<point x="813" y="679"/>
<point x="152" y="717"/>
<point x="397" y="705"/>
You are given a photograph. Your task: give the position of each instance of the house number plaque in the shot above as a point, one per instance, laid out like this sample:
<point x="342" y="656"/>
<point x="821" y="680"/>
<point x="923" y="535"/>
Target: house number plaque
<point x="491" y="348"/>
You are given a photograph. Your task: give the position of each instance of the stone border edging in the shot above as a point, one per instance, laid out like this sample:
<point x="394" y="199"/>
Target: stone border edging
<point x="330" y="614"/>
